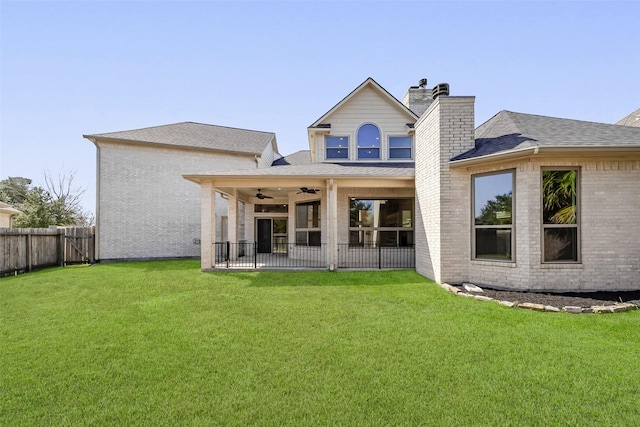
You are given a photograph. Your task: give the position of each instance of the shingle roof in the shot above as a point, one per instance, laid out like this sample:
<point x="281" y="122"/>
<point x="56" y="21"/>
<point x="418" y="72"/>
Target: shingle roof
<point x="325" y="170"/>
<point x="509" y="131"/>
<point x="302" y="157"/>
<point x="197" y="135"/>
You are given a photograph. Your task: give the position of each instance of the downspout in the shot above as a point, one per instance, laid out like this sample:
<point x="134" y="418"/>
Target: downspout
<point x="96" y="241"/>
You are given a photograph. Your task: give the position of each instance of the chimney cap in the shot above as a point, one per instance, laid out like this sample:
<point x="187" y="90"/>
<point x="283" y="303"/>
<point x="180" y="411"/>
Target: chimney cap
<point x="439" y="90"/>
<point x="422" y="83"/>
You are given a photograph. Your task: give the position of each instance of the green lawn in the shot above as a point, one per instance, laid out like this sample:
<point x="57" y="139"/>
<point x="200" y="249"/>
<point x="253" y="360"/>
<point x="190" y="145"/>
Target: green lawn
<point x="161" y="343"/>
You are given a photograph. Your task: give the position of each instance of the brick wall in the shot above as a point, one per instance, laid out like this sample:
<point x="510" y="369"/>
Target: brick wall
<point x="146" y="209"/>
<point x="442" y="219"/>
<point x="609" y="194"/>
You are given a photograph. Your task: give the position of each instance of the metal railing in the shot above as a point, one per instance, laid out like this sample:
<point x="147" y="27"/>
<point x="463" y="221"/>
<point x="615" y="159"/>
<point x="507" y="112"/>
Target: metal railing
<point x="250" y="255"/>
<point x="375" y="256"/>
<point x="278" y="255"/>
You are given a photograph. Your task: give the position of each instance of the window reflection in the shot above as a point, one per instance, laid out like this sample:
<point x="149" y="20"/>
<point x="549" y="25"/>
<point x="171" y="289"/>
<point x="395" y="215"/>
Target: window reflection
<point x="388" y="222"/>
<point x="493" y="216"/>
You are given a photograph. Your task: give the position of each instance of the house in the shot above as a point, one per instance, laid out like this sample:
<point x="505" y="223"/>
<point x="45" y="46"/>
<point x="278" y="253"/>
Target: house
<point x="352" y="196"/>
<point x="145" y="209"/>
<point x="7" y="213"/>
<point x="632" y="119"/>
<point x="523" y="201"/>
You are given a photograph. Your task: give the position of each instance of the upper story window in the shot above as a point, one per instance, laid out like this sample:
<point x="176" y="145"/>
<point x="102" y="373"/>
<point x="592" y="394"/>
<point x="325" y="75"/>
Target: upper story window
<point x="368" y="142"/>
<point x="400" y="147"/>
<point x="337" y="147"/>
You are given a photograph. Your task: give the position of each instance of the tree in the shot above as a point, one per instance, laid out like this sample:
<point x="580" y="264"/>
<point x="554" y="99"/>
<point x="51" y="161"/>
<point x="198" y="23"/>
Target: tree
<point x="35" y="210"/>
<point x="58" y="203"/>
<point x="64" y="199"/>
<point x="559" y="196"/>
<point x="497" y="211"/>
<point x="14" y="190"/>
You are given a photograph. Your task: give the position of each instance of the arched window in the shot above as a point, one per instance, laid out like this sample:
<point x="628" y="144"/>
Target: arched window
<point x="368" y="142"/>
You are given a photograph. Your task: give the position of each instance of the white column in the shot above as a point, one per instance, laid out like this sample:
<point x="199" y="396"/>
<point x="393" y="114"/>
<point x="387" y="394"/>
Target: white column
<point x="207" y="225"/>
<point x="232" y="224"/>
<point x="332" y="224"/>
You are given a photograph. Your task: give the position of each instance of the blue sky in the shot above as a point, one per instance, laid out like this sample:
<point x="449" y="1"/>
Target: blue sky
<point x="72" y="68"/>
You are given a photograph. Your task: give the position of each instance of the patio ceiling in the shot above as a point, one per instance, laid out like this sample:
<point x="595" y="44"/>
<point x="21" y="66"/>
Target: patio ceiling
<point x="280" y="189"/>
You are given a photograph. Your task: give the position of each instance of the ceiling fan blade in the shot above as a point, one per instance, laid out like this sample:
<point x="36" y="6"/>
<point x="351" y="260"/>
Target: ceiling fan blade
<point x="261" y="196"/>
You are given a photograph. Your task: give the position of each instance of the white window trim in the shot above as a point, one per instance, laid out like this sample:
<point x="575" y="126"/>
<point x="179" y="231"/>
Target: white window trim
<point x="357" y="144"/>
<point x="349" y="137"/>
<point x="388" y="148"/>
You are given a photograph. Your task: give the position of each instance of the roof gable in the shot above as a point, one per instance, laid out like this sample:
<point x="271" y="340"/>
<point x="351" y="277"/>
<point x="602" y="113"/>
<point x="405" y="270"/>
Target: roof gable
<point x="302" y="157"/>
<point x="632" y="119"/>
<point x="196" y="135"/>
<point x="371" y="84"/>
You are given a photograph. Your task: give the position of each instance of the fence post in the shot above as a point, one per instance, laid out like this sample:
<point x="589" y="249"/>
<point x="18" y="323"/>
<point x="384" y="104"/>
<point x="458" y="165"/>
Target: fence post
<point x="92" y="246"/>
<point x="379" y="256"/>
<point x="255" y="254"/>
<point x="62" y="256"/>
<point x="28" y="252"/>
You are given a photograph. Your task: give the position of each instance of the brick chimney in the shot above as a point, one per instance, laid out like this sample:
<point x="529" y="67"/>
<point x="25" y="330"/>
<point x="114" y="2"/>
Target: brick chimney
<point x="418" y="98"/>
<point x="442" y="222"/>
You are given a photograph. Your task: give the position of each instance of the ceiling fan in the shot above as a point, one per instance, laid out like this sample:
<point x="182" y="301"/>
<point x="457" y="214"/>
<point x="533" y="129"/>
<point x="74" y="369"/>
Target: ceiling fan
<point x="261" y="196"/>
<point x="308" y="190"/>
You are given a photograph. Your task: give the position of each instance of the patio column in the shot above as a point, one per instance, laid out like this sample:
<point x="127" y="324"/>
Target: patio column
<point x="207" y="225"/>
<point x="332" y="224"/>
<point x="232" y="224"/>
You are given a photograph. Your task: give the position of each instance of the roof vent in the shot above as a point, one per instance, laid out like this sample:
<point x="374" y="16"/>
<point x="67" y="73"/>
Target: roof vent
<point x="440" y="89"/>
<point x="422" y="83"/>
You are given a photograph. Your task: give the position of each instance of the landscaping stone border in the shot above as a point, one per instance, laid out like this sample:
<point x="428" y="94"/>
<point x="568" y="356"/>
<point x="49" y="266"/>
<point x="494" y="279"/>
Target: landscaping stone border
<point x="615" y="308"/>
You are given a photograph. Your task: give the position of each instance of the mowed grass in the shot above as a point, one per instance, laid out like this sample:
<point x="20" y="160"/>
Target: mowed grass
<point x="160" y="343"/>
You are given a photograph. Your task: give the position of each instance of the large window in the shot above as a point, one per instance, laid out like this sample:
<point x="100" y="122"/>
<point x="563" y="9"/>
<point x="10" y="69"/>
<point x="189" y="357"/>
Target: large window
<point x="337" y="147"/>
<point x="560" y="223"/>
<point x="308" y="224"/>
<point x="400" y="147"/>
<point x="385" y="222"/>
<point x="493" y="216"/>
<point x="368" y="142"/>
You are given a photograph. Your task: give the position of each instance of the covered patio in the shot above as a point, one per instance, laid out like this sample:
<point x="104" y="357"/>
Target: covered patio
<point x="325" y="216"/>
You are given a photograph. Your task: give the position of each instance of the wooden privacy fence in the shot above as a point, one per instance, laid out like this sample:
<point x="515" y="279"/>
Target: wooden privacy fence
<point x="25" y="249"/>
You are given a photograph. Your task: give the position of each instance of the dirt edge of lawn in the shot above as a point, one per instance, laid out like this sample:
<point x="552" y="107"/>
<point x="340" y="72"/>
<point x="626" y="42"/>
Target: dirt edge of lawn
<point x="571" y="302"/>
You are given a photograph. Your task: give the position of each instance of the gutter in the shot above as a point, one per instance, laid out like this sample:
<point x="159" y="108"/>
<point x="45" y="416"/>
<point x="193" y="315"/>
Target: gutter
<point x="506" y="155"/>
<point x="96" y="242"/>
<point x="593" y="150"/>
<point x="131" y="142"/>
